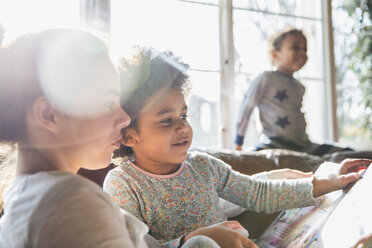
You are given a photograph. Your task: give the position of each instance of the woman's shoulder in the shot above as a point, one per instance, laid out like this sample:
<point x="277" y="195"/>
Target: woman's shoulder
<point x="37" y="198"/>
<point x="50" y="186"/>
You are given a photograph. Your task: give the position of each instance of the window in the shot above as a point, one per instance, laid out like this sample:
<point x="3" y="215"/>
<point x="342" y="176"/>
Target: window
<point x="193" y="30"/>
<point x="254" y="22"/>
<point x="20" y="16"/>
<point x="189" y="30"/>
<point x="352" y="24"/>
<point x="224" y="42"/>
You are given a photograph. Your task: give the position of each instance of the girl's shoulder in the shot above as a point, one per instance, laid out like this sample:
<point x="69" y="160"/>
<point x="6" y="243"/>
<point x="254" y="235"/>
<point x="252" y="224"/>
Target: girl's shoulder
<point x="196" y="156"/>
<point x="122" y="170"/>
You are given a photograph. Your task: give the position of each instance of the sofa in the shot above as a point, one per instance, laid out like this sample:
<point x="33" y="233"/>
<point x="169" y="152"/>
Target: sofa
<point x="247" y="162"/>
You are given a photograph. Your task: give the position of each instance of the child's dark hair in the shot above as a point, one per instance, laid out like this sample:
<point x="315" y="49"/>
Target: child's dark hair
<point x="275" y="41"/>
<point x="142" y="76"/>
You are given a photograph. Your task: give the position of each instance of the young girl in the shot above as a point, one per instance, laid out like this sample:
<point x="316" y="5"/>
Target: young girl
<point x="59" y="100"/>
<point x="175" y="191"/>
<point x="278" y="97"/>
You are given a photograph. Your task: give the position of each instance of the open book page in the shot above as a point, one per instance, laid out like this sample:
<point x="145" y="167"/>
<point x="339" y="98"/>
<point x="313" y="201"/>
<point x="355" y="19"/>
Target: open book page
<point x="352" y="218"/>
<point x="301" y="227"/>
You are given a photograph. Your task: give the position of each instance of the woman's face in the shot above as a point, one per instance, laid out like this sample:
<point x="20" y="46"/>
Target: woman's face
<point x="90" y="132"/>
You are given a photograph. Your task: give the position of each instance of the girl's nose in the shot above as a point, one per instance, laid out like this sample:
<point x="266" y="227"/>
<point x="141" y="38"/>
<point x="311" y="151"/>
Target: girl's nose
<point x="182" y="126"/>
<point x="123" y="119"/>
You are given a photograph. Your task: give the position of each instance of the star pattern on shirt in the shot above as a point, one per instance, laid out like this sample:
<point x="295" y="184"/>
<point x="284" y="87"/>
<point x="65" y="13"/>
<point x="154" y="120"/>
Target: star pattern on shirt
<point x="282" y="121"/>
<point x="281" y="95"/>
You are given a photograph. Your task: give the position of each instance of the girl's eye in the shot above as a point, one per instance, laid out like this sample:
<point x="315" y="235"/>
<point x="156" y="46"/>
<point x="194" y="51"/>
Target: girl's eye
<point x="166" y="121"/>
<point x="184" y="117"/>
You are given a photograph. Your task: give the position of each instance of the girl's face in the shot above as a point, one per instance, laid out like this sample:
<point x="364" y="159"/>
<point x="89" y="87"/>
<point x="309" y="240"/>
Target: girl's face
<point x="292" y="55"/>
<point x="88" y="141"/>
<point x="163" y="135"/>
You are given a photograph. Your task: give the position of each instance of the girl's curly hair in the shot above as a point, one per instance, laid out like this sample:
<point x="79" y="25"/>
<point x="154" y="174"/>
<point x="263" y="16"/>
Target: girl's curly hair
<point x="142" y="76"/>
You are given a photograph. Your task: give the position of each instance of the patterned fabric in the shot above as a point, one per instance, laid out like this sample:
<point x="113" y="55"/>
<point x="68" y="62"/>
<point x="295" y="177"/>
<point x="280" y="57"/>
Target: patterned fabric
<point x="200" y="242"/>
<point x="176" y="204"/>
<point x="279" y="101"/>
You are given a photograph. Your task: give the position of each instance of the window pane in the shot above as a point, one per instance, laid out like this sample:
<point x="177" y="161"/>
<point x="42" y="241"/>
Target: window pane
<point x="304" y="8"/>
<point x="204" y="108"/>
<point x="353" y="73"/>
<point x="188" y="30"/>
<point x="313" y="107"/>
<point x="20" y="16"/>
<point x="251" y="31"/>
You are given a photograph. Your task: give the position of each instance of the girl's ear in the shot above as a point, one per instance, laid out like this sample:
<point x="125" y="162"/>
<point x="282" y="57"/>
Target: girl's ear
<point x="44" y="114"/>
<point x="129" y="137"/>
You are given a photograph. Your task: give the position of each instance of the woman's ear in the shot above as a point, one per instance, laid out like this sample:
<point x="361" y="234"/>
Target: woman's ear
<point x="129" y="137"/>
<point x="44" y="114"/>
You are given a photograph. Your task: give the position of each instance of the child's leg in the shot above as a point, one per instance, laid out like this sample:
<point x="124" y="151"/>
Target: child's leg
<point x="200" y="242"/>
<point x="327" y="148"/>
<point x="278" y="143"/>
<point x="263" y="146"/>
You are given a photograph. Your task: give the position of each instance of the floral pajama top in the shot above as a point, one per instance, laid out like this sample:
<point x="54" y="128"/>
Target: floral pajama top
<point x="173" y="205"/>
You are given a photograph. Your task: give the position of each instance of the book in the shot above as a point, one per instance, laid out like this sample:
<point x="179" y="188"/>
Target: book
<point x="323" y="224"/>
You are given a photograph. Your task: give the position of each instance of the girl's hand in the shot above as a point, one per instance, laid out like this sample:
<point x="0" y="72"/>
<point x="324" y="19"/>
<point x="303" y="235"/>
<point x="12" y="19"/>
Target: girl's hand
<point x="364" y="242"/>
<point x="352" y="165"/>
<point x="287" y="174"/>
<point x="347" y="174"/>
<point x="224" y="235"/>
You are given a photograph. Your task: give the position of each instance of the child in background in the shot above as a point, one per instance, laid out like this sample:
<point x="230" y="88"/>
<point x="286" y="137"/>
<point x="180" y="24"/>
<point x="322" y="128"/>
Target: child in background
<point x="175" y="191"/>
<point x="278" y="97"/>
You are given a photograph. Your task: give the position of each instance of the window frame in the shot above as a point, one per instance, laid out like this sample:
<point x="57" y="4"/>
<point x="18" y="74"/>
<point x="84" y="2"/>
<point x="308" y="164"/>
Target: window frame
<point x="227" y="68"/>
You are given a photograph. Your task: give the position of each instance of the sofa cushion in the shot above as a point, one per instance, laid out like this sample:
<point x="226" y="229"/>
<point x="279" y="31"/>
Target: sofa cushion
<point x="245" y="162"/>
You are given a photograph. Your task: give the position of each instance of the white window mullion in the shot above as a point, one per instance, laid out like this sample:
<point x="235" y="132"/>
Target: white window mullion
<point x="330" y="113"/>
<point x="227" y="72"/>
<point x="96" y="14"/>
